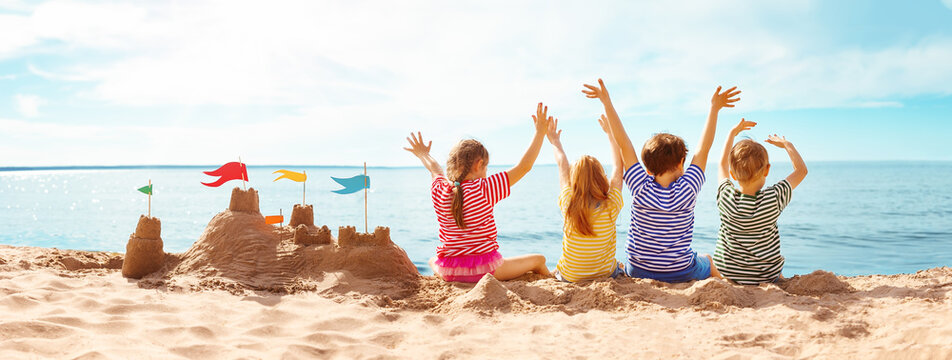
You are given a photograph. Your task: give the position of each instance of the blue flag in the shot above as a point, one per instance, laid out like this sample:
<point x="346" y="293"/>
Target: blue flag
<point x="352" y="184"/>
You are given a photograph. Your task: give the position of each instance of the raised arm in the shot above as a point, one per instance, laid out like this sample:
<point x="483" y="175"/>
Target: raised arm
<point x="555" y="138"/>
<point x="541" y="121"/>
<point x="799" y="167"/>
<point x="718" y="101"/>
<point x="628" y="154"/>
<point x="423" y="153"/>
<point x="618" y="172"/>
<point x="723" y="172"/>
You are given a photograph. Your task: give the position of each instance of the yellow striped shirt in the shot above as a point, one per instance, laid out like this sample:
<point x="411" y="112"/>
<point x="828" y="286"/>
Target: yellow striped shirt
<point x="590" y="257"/>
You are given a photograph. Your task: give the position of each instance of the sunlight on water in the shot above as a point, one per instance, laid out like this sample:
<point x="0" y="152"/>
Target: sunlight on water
<point x="850" y="218"/>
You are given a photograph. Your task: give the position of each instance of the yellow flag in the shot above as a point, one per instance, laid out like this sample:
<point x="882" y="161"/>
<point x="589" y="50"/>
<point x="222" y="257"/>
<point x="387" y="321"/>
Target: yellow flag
<point x="291" y="175"/>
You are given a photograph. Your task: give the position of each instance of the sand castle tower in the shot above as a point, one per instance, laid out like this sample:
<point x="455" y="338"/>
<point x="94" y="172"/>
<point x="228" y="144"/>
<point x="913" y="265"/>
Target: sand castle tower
<point x="144" y="253"/>
<point x="305" y="233"/>
<point x="302" y="215"/>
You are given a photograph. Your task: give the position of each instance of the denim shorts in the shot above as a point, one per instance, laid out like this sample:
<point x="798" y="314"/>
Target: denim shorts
<point x="699" y="270"/>
<point x="619" y="271"/>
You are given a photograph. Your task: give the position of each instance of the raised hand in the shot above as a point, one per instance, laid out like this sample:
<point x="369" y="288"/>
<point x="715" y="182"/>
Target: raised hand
<point x="541" y="119"/>
<point x="778" y="141"/>
<point x="554" y="134"/>
<point x="741" y="126"/>
<point x="603" y="122"/>
<point x="416" y="145"/>
<point x="600" y="92"/>
<point x="724" y="99"/>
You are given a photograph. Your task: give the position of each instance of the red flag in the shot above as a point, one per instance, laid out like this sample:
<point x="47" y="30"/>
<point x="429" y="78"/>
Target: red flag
<point x="228" y="172"/>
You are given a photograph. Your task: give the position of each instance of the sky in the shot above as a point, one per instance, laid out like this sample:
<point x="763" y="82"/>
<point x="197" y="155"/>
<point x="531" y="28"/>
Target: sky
<point x="344" y="82"/>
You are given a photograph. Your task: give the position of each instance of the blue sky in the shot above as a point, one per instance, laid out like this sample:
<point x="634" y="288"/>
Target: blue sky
<point x="338" y="83"/>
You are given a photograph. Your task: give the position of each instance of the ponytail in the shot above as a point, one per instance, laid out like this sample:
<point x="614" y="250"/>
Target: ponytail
<point x="457" y="207"/>
<point x="460" y="162"/>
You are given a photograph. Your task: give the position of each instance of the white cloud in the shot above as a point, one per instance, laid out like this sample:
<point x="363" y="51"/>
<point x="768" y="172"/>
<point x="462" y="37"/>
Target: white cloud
<point x="28" y="105"/>
<point x="947" y="3"/>
<point x="427" y="60"/>
<point x="346" y="68"/>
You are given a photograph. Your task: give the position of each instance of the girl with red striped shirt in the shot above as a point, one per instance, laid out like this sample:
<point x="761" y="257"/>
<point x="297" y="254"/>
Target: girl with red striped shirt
<point x="464" y="199"/>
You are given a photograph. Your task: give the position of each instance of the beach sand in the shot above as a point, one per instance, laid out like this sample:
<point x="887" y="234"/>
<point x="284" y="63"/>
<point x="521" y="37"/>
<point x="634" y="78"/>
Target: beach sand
<point x="250" y="290"/>
<point x="74" y="304"/>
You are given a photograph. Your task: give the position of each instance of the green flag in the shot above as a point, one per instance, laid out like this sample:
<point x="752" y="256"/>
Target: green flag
<point x="146" y="189"/>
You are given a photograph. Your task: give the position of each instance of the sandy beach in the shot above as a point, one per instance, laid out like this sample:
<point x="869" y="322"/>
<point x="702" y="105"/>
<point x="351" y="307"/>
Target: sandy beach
<point x="246" y="289"/>
<point x="74" y="304"/>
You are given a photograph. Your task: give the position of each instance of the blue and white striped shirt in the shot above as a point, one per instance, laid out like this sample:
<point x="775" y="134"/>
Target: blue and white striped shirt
<point x="662" y="220"/>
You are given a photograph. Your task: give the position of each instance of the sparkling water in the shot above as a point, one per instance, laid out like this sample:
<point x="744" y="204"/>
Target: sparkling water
<point x="847" y="217"/>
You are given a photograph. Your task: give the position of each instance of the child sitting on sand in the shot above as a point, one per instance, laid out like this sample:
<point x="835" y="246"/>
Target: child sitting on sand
<point x="748" y="243"/>
<point x="464" y="199"/>
<point x="590" y="205"/>
<point x="664" y="195"/>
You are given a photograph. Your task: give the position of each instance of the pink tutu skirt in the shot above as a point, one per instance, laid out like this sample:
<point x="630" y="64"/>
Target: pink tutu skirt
<point x="468" y="268"/>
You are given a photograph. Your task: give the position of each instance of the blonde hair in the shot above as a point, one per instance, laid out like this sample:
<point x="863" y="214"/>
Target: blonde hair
<point x="747" y="159"/>
<point x="589" y="186"/>
<point x="462" y="157"/>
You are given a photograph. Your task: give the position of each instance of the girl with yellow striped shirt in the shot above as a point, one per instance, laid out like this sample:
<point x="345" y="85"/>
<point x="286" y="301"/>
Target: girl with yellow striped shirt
<point x="590" y="205"/>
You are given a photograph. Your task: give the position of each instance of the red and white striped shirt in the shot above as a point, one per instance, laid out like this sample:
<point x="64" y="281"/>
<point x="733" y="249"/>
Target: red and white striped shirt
<point x="479" y="198"/>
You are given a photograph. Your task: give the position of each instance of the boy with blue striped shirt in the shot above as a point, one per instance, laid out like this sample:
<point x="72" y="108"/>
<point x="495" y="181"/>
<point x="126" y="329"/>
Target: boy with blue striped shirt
<point x="664" y="195"/>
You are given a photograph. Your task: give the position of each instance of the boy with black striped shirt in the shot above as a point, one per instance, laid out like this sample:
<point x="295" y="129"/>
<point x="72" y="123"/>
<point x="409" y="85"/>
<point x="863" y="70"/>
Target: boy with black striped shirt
<point x="748" y="243"/>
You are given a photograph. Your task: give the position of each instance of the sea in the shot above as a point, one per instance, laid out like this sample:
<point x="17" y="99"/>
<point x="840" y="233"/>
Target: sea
<point x="851" y="218"/>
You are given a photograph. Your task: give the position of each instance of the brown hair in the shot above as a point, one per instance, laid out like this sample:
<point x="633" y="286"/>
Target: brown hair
<point x="662" y="153"/>
<point x="589" y="186"/>
<point x="748" y="158"/>
<point x="462" y="157"/>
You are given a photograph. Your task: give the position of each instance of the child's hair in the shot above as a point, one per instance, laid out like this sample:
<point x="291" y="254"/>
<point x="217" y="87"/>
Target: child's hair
<point x="748" y="158"/>
<point x="589" y="186"/>
<point x="663" y="152"/>
<point x="462" y="157"/>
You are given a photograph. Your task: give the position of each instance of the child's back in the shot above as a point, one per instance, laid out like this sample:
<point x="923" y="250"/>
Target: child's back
<point x="590" y="203"/>
<point x="662" y="220"/>
<point x="589" y="256"/>
<point x="463" y="200"/>
<point x="664" y="195"/>
<point x="748" y="243"/>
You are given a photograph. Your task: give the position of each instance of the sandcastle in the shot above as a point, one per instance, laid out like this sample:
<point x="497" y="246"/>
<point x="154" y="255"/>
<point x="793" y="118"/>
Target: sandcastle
<point x="239" y="248"/>
<point x="144" y="253"/>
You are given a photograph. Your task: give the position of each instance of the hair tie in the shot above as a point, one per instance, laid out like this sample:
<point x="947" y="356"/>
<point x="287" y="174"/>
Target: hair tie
<point x="456" y="183"/>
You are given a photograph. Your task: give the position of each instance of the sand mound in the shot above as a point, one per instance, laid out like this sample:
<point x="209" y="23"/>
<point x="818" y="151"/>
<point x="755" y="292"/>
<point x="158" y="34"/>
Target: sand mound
<point x="816" y="283"/>
<point x="238" y="250"/>
<point x="710" y="292"/>
<point x="488" y="295"/>
<point x="603" y="295"/>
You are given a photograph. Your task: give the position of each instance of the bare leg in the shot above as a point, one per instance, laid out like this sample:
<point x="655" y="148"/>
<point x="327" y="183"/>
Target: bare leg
<point x="434" y="267"/>
<point x="714" y="272"/>
<point x="517" y="266"/>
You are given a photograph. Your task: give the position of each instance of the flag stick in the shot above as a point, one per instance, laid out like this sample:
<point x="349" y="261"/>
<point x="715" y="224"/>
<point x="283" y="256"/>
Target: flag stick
<point x="365" y="197"/>
<point x="281" y="212"/>
<point x="245" y="168"/>
<point x="150" y="198"/>
<point x="304" y="196"/>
